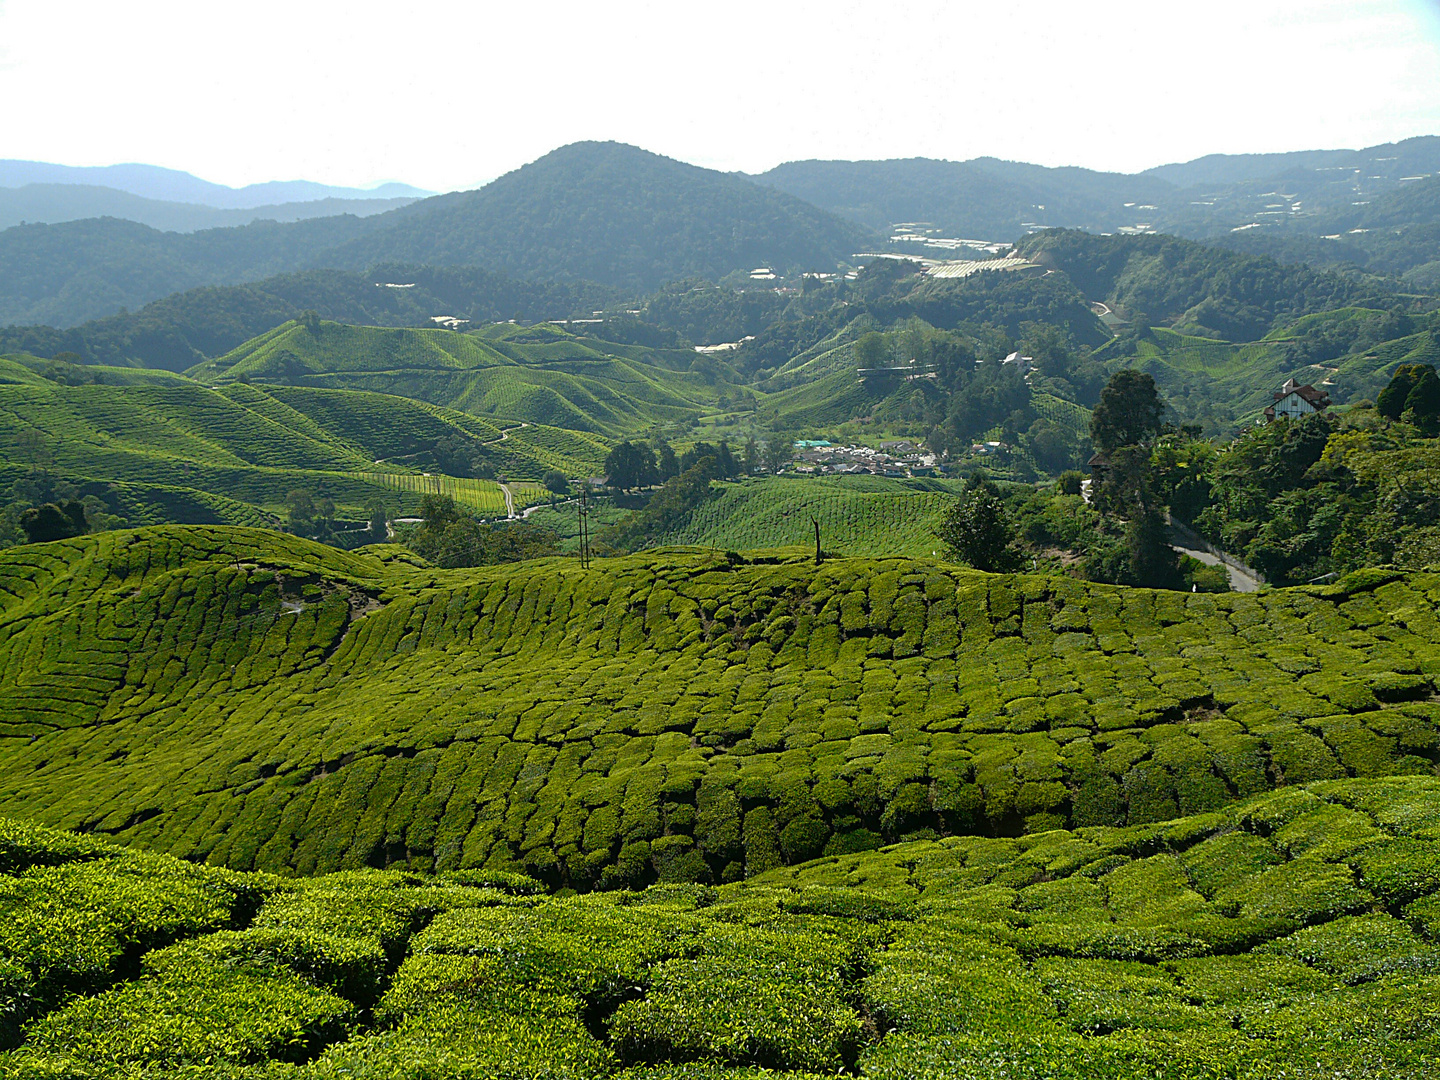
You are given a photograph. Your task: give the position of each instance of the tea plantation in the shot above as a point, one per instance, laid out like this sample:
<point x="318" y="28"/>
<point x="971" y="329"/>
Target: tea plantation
<point x="1292" y="934"/>
<point x="231" y="455"/>
<point x="257" y="701"/>
<point x="858" y="515"/>
<point x="541" y="374"/>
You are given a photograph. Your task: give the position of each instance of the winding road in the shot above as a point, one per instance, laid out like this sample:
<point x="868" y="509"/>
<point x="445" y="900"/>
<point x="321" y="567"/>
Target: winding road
<point x="1186" y="541"/>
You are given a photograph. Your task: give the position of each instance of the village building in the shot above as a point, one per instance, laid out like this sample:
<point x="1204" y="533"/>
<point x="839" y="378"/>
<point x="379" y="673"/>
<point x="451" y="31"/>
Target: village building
<point x="1293" y="401"/>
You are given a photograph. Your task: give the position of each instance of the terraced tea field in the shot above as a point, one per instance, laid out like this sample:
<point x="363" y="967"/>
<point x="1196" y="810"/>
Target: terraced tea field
<point x="256" y="701"/>
<point x="232" y="455"/>
<point x="867" y="516"/>
<point x="540" y="374"/>
<point x="482" y="497"/>
<point x="1293" y="934"/>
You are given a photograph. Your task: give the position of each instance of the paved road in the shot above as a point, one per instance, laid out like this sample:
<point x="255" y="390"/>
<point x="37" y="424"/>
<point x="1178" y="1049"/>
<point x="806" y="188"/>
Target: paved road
<point x="509" y="501"/>
<point x="1184" y="540"/>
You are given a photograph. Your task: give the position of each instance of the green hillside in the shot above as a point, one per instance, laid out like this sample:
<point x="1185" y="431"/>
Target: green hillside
<point x="184" y="329"/>
<point x="539" y="374"/>
<point x="1291" y="935"/>
<point x="1349" y="352"/>
<point x="258" y="701"/>
<point x="175" y="450"/>
<point x="596" y="212"/>
<point x="859" y="515"/>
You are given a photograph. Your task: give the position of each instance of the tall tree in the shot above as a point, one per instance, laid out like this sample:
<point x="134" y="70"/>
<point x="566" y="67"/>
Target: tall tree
<point x="1393" y="400"/>
<point x="1129" y="413"/>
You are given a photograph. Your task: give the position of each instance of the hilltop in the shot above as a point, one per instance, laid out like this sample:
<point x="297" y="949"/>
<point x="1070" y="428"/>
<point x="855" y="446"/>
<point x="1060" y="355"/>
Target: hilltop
<point x="324" y="710"/>
<point x="615" y="214"/>
<point x="600" y="212"/>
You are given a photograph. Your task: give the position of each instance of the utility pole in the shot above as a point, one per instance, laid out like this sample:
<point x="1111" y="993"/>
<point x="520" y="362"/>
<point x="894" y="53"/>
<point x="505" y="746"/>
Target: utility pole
<point x="584" y="524"/>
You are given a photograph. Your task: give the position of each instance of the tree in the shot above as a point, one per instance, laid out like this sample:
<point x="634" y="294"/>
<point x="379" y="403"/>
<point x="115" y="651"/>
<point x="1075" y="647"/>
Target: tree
<point x="1153" y="562"/>
<point x="1129" y="412"/>
<point x="51" y="522"/>
<point x="872" y="351"/>
<point x="1070" y="482"/>
<point x="631" y="465"/>
<point x="666" y="464"/>
<point x="439" y="513"/>
<point x="35" y="445"/>
<point x="751" y="456"/>
<point x="1422" y="404"/>
<point x="779" y="449"/>
<point x="725" y="461"/>
<point x="1392" y="402"/>
<point x="556" y="482"/>
<point x="379" y="523"/>
<point x="976" y="530"/>
<point x="300" y="506"/>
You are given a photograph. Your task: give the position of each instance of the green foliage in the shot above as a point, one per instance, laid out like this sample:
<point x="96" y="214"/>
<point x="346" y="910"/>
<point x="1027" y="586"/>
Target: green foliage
<point x="1242" y="942"/>
<point x="259" y="701"/>
<point x="1221" y="293"/>
<point x="1129" y="412"/>
<point x="667" y="511"/>
<point x="452" y="539"/>
<point x="976" y="530"/>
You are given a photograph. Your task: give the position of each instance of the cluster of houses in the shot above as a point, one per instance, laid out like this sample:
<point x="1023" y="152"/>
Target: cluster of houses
<point x="898" y="458"/>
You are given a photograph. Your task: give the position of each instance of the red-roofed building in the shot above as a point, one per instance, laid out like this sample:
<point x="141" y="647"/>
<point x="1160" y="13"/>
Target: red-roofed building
<point x="1294" y="401"/>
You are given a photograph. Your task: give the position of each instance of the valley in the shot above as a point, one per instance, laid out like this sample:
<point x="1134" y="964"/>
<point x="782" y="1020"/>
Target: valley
<point x="605" y="625"/>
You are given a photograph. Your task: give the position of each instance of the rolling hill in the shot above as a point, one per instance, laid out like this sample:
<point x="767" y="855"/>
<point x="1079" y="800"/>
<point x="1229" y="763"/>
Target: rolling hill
<point x="184" y="329"/>
<point x="539" y="374"/>
<point x="868" y="516"/>
<point x="175" y="450"/>
<point x="600" y="212"/>
<point x="53" y="203"/>
<point x="323" y="710"/>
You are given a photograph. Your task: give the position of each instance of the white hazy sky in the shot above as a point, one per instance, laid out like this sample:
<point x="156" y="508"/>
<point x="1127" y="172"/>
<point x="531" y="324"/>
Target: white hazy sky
<point x="447" y="95"/>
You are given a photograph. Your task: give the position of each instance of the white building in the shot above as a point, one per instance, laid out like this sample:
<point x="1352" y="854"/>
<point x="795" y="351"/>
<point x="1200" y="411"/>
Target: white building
<point x="1293" y="401"/>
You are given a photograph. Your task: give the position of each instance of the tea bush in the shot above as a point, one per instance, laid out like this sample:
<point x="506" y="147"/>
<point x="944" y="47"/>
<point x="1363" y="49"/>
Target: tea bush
<point x="1220" y="944"/>
<point x="260" y="702"/>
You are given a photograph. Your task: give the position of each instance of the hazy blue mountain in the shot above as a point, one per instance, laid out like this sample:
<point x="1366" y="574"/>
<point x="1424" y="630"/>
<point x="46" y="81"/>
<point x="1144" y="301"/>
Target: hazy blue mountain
<point x="172" y="185"/>
<point x="981" y="199"/>
<point x="54" y="203"/>
<point x="1388" y="161"/>
<point x="599" y="212"/>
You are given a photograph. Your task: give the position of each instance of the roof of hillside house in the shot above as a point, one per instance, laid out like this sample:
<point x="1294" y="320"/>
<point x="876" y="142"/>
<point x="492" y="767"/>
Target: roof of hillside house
<point x="1318" y="398"/>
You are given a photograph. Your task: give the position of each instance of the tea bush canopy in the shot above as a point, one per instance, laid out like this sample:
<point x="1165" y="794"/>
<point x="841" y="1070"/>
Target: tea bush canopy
<point x="1293" y="933"/>
<point x="262" y="702"/>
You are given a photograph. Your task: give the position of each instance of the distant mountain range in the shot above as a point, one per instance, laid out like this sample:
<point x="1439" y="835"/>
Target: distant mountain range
<point x="57" y="203"/>
<point x="172" y="185"/>
<point x="996" y="200"/>
<point x="602" y="212"/>
<point x="631" y="220"/>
